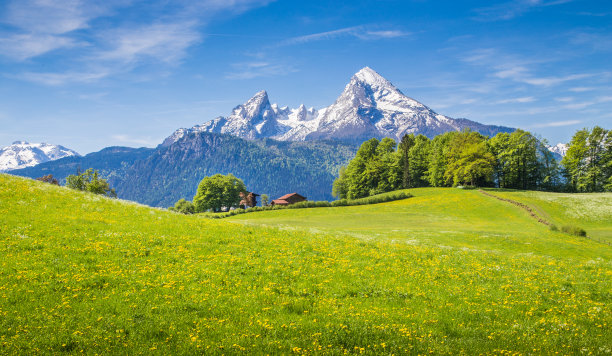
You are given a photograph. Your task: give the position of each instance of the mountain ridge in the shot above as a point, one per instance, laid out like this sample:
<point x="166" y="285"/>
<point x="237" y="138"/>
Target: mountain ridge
<point x="21" y="154"/>
<point x="369" y="106"/>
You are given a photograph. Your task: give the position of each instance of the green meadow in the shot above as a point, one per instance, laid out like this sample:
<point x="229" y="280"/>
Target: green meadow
<point x="448" y="271"/>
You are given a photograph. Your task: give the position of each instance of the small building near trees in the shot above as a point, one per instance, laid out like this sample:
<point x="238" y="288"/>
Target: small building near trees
<point x="248" y="200"/>
<point x="289" y="199"/>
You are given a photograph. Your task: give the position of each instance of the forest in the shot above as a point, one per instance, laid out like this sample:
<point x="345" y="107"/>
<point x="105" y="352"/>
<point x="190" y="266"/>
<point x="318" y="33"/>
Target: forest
<point x="516" y="160"/>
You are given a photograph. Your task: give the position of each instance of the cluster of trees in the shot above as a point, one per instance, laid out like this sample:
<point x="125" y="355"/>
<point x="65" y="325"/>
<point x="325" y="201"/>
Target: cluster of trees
<point x="515" y="160"/>
<point x="588" y="161"/>
<point x="90" y="181"/>
<point x="214" y="193"/>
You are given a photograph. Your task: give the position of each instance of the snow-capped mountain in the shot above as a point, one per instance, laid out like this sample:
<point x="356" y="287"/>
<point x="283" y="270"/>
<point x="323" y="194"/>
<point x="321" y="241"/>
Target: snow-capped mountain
<point x="559" y="148"/>
<point x="370" y="106"/>
<point x="22" y="154"/>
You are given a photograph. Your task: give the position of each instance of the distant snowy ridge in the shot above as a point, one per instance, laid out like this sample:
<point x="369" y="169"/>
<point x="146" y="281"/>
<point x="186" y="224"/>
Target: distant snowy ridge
<point x="559" y="148"/>
<point x="370" y="106"/>
<point x="22" y="154"/>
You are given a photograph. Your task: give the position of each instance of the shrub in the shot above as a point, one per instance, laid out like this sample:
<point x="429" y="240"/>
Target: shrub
<point x="90" y="181"/>
<point x="184" y="207"/>
<point x="574" y="230"/>
<point x="553" y="228"/>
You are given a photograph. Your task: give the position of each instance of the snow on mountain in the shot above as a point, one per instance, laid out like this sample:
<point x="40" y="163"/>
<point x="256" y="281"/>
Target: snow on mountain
<point x="559" y="148"/>
<point x="22" y="154"/>
<point x="370" y="106"/>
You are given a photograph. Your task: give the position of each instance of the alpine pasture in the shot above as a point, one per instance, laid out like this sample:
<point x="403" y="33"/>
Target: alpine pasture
<point x="447" y="271"/>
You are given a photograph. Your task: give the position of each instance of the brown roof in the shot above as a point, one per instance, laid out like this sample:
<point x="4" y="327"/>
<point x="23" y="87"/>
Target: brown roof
<point x="280" y="202"/>
<point x="290" y="195"/>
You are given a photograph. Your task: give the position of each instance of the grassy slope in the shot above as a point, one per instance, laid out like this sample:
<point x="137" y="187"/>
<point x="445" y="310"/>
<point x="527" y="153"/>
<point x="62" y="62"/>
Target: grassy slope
<point x="591" y="211"/>
<point x="79" y="272"/>
<point x="443" y="217"/>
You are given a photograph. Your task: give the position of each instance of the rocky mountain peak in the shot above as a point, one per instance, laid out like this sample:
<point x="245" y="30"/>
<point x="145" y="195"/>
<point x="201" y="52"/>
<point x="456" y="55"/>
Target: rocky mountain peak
<point x="23" y="154"/>
<point x="371" y="78"/>
<point x="370" y="106"/>
<point x="254" y="107"/>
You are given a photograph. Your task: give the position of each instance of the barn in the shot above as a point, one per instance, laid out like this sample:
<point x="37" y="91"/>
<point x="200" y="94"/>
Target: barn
<point x="288" y="199"/>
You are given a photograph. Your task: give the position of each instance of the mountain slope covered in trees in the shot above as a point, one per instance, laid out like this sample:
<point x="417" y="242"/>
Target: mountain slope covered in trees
<point x="266" y="167"/>
<point x="161" y="176"/>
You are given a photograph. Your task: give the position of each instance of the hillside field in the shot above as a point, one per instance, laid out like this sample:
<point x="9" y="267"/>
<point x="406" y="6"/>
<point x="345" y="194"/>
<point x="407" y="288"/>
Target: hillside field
<point x="448" y="271"/>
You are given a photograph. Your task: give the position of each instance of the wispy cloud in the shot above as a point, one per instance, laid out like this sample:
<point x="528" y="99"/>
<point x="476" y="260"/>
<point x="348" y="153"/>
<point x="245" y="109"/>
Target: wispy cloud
<point x="599" y="42"/>
<point x="99" y="39"/>
<point x="55" y="79"/>
<point x="166" y="42"/>
<point x="526" y="99"/>
<point x="586" y="104"/>
<point x="557" y="123"/>
<point x="361" y="32"/>
<point x="581" y="89"/>
<point x="548" y="81"/>
<point x="512" y="9"/>
<point x="127" y="139"/>
<point x="250" y="70"/>
<point x="24" y="46"/>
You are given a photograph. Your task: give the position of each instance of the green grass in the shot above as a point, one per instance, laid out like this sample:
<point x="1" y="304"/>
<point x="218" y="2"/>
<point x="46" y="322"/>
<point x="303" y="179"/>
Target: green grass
<point x="80" y="273"/>
<point x="443" y="217"/>
<point x="590" y="211"/>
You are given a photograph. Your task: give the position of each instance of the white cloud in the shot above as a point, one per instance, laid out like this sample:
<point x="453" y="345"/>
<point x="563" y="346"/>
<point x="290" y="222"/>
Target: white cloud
<point x="526" y="99"/>
<point x="581" y="89"/>
<point x="164" y="42"/>
<point x="361" y="32"/>
<point x="164" y="31"/>
<point x="252" y="70"/>
<point x="24" y="46"/>
<point x="55" y="79"/>
<point x="548" y="81"/>
<point x="558" y="123"/>
<point x="565" y="99"/>
<point x="512" y="9"/>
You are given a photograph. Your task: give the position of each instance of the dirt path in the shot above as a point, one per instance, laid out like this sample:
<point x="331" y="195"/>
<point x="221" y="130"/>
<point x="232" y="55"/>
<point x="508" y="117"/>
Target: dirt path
<point x="520" y="205"/>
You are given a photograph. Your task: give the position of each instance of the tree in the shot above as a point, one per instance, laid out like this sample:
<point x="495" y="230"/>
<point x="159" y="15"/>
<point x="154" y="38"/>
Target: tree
<point x="374" y="169"/>
<point x="404" y="159"/>
<point x="419" y="161"/>
<point x="183" y="206"/>
<point x="438" y="158"/>
<point x="265" y="199"/>
<point x="473" y="166"/>
<point x="217" y="192"/>
<point x="588" y="162"/>
<point x="90" y="181"/>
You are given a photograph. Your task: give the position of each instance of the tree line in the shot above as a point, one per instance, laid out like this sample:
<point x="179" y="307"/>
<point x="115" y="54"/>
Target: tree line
<point x="516" y="160"/>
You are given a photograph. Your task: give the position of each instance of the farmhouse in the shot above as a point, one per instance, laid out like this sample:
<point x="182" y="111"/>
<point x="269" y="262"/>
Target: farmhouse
<point x="288" y="199"/>
<point x="248" y="200"/>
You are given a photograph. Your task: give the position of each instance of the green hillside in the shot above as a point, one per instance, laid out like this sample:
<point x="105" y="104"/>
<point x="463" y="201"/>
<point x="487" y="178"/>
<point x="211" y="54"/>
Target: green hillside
<point x="457" y="218"/>
<point x="447" y="271"/>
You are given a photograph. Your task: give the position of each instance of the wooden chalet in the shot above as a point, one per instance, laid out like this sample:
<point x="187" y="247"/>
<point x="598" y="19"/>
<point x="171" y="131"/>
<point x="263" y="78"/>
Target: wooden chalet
<point x="248" y="200"/>
<point x="288" y="199"/>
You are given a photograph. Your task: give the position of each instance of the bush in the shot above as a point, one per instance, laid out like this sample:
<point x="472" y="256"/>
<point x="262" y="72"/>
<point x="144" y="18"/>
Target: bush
<point x="184" y="207"/>
<point x="381" y="198"/>
<point x="574" y="230"/>
<point x="90" y="181"/>
<point x="553" y="228"/>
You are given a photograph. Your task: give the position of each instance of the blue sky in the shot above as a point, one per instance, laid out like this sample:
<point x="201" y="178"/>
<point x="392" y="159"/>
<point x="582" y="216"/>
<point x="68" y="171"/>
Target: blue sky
<point x="88" y="74"/>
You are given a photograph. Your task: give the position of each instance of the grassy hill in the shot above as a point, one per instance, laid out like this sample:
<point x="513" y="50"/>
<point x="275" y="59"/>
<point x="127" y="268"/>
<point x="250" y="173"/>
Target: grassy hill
<point x="435" y="273"/>
<point x="450" y="217"/>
